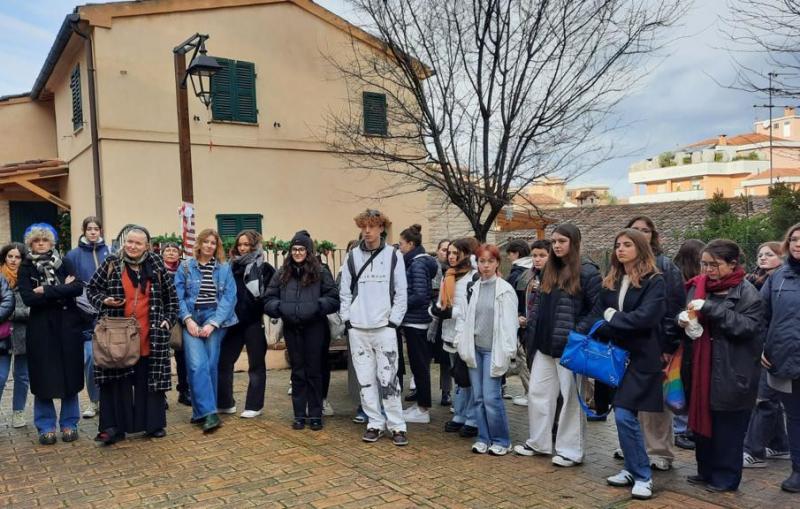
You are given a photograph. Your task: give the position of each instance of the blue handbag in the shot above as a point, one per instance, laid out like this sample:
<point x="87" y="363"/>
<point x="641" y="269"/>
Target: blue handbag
<point x="585" y="355"/>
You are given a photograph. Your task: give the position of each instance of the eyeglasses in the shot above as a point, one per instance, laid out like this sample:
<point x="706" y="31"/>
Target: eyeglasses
<point x="298" y="250"/>
<point x="709" y="265"/>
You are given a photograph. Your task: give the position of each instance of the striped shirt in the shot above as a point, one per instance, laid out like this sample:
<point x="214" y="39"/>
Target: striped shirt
<point x="208" y="290"/>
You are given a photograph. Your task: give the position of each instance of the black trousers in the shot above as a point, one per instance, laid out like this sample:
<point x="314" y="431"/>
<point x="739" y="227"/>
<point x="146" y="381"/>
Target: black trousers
<point x="180" y="365"/>
<point x="326" y="364"/>
<point x="306" y="346"/>
<point x="603" y="397"/>
<point x="719" y="458"/>
<point x="238" y="336"/>
<point x="420" y="352"/>
<point x="127" y="406"/>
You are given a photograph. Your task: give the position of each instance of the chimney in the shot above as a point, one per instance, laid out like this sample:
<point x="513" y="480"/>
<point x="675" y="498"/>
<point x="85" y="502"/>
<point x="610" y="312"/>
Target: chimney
<point x="722" y="140"/>
<point x="788" y="111"/>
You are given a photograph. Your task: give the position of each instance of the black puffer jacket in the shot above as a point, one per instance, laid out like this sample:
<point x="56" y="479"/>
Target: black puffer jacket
<point x="670" y="333"/>
<point x="296" y="304"/>
<point x="737" y="331"/>
<point x="569" y="312"/>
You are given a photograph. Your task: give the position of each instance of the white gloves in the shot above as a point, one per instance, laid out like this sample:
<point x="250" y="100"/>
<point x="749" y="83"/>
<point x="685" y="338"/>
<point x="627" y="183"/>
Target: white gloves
<point x="697" y="304"/>
<point x="693" y="328"/>
<point x="608" y="314"/>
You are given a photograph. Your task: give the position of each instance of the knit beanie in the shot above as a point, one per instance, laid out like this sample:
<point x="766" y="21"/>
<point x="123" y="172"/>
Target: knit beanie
<point x="303" y="238"/>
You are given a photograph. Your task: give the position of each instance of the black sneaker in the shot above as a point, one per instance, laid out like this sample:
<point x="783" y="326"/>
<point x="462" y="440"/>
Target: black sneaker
<point x="412" y="395"/>
<point x="446" y="399"/>
<point x="792" y="484"/>
<point x="315" y="424"/>
<point x="453" y="426"/>
<point x="69" y="435"/>
<point x="684" y="442"/>
<point x="372" y="435"/>
<point x="48" y="438"/>
<point x="468" y="431"/>
<point x="299" y="423"/>
<point x="399" y="438"/>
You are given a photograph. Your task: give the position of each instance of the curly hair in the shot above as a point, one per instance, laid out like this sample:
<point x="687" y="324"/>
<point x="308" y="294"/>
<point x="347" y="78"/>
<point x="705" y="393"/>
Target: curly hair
<point x="372" y="217"/>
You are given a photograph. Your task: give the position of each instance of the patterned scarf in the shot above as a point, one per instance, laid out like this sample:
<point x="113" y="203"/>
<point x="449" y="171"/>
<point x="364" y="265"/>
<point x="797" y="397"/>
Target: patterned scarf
<point x="46" y="264"/>
<point x="9" y="274"/>
<point x="139" y="270"/>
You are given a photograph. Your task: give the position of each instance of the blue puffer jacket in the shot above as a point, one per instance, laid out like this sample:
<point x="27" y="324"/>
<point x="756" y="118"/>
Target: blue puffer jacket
<point x="87" y="257"/>
<point x="781" y="293"/>
<point x="187" y="283"/>
<point x="421" y="268"/>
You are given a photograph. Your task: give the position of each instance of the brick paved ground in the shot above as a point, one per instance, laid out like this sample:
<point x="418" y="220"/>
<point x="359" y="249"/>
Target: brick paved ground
<point x="264" y="463"/>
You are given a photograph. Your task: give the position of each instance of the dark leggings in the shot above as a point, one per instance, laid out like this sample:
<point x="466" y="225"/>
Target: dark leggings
<point x="419" y="356"/>
<point x="306" y="346"/>
<point x="238" y="336"/>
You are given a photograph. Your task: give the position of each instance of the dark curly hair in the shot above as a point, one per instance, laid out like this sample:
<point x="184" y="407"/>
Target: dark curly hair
<point x="309" y="271"/>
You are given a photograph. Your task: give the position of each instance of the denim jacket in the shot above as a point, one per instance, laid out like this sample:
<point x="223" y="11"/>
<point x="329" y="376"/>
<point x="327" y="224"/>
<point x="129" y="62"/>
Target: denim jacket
<point x="187" y="283"/>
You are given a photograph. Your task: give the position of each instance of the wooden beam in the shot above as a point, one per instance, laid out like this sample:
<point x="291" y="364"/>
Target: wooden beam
<point x="30" y="186"/>
<point x="13" y="179"/>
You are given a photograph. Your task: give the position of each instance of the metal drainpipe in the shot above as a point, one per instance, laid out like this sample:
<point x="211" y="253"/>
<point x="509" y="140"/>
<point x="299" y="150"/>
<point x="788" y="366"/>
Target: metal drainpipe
<point x="98" y="189"/>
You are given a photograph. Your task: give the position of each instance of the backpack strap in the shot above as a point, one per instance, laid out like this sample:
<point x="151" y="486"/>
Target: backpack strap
<point x="391" y="276"/>
<point x="471" y="284"/>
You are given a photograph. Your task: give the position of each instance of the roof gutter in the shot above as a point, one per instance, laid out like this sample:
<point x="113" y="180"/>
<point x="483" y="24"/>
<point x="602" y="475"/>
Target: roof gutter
<point x="62" y="38"/>
<point x="90" y="72"/>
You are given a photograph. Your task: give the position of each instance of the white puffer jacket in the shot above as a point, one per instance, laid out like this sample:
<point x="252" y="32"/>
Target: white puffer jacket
<point x="504" y="337"/>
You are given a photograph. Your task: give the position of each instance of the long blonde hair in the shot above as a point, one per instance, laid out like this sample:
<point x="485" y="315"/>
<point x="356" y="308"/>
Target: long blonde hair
<point x="202" y="236"/>
<point x="645" y="261"/>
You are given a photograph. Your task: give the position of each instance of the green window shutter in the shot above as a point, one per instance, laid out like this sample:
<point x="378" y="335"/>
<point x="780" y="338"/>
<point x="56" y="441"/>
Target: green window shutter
<point x="222" y="99"/>
<point x="229" y="225"/>
<point x="374" y="106"/>
<point x="245" y="92"/>
<point x="233" y="91"/>
<point x="77" y="101"/>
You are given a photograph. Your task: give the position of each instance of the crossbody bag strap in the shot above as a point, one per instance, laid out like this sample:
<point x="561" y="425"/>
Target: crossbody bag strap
<point x="582" y="402"/>
<point x="352" y="265"/>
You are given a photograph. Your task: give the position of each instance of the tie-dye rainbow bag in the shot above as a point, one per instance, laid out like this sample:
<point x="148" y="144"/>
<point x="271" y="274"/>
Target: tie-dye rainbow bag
<point x="674" y="395"/>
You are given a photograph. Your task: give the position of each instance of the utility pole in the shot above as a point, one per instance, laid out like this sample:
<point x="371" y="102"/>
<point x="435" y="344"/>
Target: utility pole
<point x="769" y="106"/>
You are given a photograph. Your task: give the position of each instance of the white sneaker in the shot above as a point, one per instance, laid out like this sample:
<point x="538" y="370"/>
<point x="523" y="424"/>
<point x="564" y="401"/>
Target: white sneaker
<point x="642" y="490"/>
<point x="777" y="455"/>
<point x="526" y="450"/>
<point x="750" y="461"/>
<point x="231" y="410"/>
<point x="618" y="454"/>
<point x="623" y="478"/>
<point x="327" y="409"/>
<point x="289" y="392"/>
<point x="18" y="419"/>
<point x="416" y="415"/>
<point x="249" y="414"/>
<point x="659" y="463"/>
<point x="479" y="448"/>
<point x="498" y="450"/>
<point x="90" y="410"/>
<point x="520" y="401"/>
<point x="561" y="461"/>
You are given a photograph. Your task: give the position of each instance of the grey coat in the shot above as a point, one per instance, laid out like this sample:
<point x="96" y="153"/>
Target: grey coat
<point x="19" y="321"/>
<point x="6" y="312"/>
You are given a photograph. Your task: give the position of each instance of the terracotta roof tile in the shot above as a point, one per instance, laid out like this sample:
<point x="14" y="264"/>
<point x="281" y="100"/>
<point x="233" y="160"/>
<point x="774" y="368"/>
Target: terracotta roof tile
<point x="735" y="140"/>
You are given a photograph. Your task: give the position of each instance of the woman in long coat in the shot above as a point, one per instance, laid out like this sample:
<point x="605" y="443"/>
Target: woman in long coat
<point x="136" y="283"/>
<point x="48" y="285"/>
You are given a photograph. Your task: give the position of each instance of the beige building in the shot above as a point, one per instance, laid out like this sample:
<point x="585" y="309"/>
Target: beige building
<point x="731" y="165"/>
<point x="257" y="153"/>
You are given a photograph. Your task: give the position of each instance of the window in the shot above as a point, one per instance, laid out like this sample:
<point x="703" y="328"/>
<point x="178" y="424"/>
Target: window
<point x="374" y="114"/>
<point x="77" y="103"/>
<point x="233" y="92"/>
<point x="697" y="184"/>
<point x="229" y="225"/>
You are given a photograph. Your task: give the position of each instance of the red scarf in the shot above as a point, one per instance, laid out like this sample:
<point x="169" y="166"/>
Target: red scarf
<point x="700" y="400"/>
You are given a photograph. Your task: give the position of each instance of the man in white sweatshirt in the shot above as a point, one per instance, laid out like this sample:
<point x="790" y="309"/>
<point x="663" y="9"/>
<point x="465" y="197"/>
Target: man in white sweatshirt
<point x="373" y="302"/>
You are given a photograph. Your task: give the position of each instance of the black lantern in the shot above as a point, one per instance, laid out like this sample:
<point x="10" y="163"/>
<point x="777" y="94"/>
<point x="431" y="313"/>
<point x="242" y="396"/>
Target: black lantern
<point x="200" y="71"/>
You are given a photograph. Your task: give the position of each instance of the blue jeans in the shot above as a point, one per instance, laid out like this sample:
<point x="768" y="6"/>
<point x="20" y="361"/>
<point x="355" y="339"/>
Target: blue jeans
<point x="464" y="406"/>
<point x="202" y="362"/>
<point x="20" y="379"/>
<point x="88" y="368"/>
<point x="490" y="412"/>
<point x="680" y="424"/>
<point x="44" y="414"/>
<point x="631" y="441"/>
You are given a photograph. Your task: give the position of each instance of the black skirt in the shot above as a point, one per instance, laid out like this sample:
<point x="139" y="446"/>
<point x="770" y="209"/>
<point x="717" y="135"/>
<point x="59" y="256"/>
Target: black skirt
<point x="128" y="406"/>
<point x="640" y="391"/>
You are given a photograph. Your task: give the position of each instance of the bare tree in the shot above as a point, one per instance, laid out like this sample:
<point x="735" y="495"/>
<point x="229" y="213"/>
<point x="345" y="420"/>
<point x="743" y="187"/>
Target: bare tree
<point x="770" y="31"/>
<point x="484" y="97"/>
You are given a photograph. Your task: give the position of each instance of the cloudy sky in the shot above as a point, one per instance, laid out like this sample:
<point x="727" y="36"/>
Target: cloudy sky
<point x="679" y="102"/>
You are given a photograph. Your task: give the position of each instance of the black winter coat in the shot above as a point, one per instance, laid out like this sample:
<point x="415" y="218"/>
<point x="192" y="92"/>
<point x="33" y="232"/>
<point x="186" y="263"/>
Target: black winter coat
<point x="421" y="268"/>
<point x="737" y="322"/>
<point x="54" y="340"/>
<point x="249" y="308"/>
<point x="569" y="312"/>
<point x="675" y="301"/>
<point x="781" y="294"/>
<point x="635" y="328"/>
<point x="296" y="304"/>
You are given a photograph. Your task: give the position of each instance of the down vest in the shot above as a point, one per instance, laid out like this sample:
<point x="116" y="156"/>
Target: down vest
<point x="421" y="268"/>
<point x="569" y="312"/>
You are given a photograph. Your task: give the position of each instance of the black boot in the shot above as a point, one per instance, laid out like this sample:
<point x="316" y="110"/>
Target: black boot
<point x="792" y="484"/>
